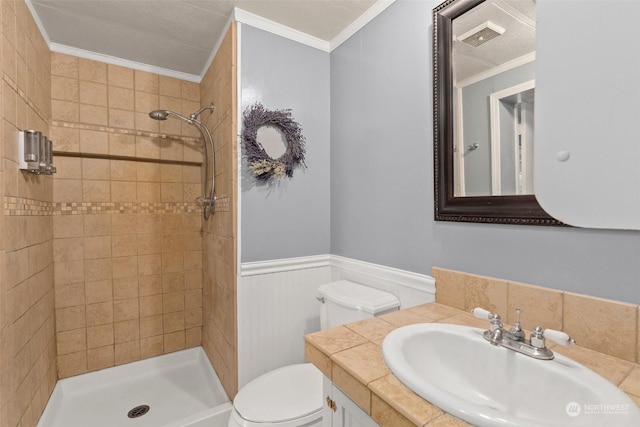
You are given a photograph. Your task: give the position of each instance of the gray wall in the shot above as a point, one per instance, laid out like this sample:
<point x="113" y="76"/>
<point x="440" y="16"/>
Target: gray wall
<point x="382" y="177"/>
<point x="289" y="219"/>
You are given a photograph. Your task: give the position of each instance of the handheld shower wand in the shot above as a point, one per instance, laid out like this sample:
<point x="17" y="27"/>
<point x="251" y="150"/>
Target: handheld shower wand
<point x="208" y="199"/>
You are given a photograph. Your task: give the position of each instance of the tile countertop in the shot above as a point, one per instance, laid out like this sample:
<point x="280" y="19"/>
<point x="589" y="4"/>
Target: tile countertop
<point x="351" y="356"/>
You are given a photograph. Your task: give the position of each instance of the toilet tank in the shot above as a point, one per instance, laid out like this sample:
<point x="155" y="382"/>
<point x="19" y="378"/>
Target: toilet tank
<point x="345" y="302"/>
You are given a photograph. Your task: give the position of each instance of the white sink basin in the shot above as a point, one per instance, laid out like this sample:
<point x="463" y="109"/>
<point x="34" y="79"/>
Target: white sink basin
<point x="456" y="369"/>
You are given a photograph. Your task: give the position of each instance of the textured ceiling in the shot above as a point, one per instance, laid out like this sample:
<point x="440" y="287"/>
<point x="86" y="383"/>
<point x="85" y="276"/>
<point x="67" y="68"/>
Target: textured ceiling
<point x="179" y="35"/>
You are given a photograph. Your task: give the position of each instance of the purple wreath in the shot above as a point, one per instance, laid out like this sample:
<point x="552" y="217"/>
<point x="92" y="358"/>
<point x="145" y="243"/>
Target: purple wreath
<point x="261" y="164"/>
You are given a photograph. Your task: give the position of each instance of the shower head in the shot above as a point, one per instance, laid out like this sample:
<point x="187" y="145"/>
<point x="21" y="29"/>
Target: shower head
<point x="159" y="114"/>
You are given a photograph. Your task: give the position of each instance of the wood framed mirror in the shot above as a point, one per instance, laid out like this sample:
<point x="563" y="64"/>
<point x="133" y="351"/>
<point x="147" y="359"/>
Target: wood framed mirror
<point x="490" y="206"/>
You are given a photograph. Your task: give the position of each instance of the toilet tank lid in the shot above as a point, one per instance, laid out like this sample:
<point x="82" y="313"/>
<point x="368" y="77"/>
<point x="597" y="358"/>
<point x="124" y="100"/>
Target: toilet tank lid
<point x="354" y="295"/>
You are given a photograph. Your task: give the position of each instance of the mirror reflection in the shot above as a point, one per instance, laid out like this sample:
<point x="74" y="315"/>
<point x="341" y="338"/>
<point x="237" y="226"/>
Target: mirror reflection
<point x="493" y="60"/>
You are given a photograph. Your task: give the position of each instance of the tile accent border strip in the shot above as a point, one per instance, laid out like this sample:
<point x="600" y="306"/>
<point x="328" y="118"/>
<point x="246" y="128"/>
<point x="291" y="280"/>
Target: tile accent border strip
<point x="18" y="206"/>
<point x="109" y="129"/>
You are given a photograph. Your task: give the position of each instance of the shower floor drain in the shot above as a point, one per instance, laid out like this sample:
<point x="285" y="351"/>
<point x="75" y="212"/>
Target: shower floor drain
<point x="138" y="411"/>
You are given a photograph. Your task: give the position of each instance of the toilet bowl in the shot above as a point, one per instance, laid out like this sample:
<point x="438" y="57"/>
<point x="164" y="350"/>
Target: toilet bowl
<point x="291" y="396"/>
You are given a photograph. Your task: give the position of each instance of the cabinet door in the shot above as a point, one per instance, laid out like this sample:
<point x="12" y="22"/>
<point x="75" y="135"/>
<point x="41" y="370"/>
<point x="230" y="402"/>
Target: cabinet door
<point x="342" y="412"/>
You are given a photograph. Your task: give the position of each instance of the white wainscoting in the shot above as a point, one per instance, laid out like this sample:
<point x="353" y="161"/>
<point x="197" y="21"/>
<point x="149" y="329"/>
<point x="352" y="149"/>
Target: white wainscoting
<point x="410" y="288"/>
<point x="277" y="304"/>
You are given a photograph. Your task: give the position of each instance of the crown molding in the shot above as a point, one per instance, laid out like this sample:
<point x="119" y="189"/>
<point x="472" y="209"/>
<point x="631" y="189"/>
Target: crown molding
<point x="359" y="23"/>
<point x="270" y="26"/>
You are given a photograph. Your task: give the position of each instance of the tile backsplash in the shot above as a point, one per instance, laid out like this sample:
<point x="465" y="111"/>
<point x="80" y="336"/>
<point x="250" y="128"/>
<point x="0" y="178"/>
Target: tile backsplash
<point x="607" y="326"/>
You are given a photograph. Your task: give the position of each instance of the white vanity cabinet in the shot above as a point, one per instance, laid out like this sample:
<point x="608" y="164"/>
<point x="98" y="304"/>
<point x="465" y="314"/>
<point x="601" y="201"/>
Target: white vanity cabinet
<point x="340" y="411"/>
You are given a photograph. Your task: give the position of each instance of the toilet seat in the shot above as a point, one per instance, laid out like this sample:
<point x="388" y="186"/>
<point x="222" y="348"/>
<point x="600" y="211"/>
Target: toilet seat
<point x="288" y="396"/>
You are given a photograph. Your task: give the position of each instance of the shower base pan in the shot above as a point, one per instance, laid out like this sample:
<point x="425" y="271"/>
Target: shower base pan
<point x="179" y="389"/>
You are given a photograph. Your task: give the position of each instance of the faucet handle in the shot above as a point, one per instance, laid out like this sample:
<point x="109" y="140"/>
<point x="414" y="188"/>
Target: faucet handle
<point x="559" y="337"/>
<point x="481" y="313"/>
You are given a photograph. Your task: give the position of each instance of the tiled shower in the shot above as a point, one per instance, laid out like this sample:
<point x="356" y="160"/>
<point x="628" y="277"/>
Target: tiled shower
<point x="109" y="260"/>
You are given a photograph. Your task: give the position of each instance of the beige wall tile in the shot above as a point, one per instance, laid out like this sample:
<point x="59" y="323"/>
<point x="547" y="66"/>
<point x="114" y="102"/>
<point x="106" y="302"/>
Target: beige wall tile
<point x="127" y="352"/>
<point x="123" y="191"/>
<point x="92" y="71"/>
<point x="125" y="288"/>
<point x="69" y="295"/>
<point x="72" y="364"/>
<point x="174" y="341"/>
<point x="450" y="289"/>
<point x="151" y="326"/>
<point x="97" y="225"/>
<point x="150" y="285"/>
<point x="173" y="302"/>
<point x="64" y="89"/>
<point x="64" y="65"/>
<point x="148" y="192"/>
<point x="96" y="191"/>
<point x="126" y="245"/>
<point x="65" y="139"/>
<point x="193" y="337"/>
<point x="97" y="247"/>
<point x="100" y="336"/>
<point x="120" y="76"/>
<point x="146" y="82"/>
<point x="67" y="111"/>
<point x="127" y="330"/>
<point x="603" y="317"/>
<point x="98" y="291"/>
<point x="94" y="142"/>
<point x="127" y="309"/>
<point x="151" y="346"/>
<point x="193" y="318"/>
<point x="100" y="358"/>
<point x="149" y="265"/>
<point x="98" y="269"/>
<point x="122" y="145"/>
<point x="149" y="244"/>
<point x="123" y="170"/>
<point x="99" y="314"/>
<point x="150" y="305"/>
<point x="93" y="93"/>
<point x="71" y="249"/>
<point x="71" y="341"/>
<point x="68" y="226"/>
<point x="173" y="322"/>
<point x="148" y="172"/>
<point x="121" y="98"/>
<point x="66" y="272"/>
<point x="540" y="306"/>
<point x="170" y="86"/>
<point x="123" y="224"/>
<point x="93" y="114"/>
<point x="67" y="190"/>
<point x="190" y="91"/>
<point x="121" y="118"/>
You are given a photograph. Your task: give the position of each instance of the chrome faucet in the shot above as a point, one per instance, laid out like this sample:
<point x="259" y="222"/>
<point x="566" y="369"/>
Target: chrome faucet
<point x="515" y="338"/>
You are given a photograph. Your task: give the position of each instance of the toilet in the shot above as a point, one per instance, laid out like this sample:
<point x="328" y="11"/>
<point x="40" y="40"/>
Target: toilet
<point x="291" y="396"/>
